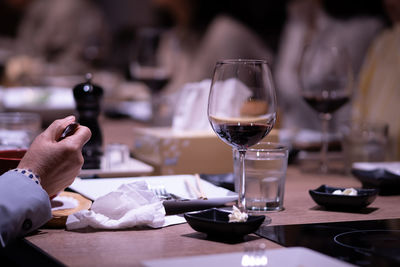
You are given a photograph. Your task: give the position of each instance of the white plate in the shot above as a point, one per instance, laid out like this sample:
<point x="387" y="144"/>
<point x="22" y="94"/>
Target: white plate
<point x="50" y="102"/>
<point x="175" y="184"/>
<point x="133" y="167"/>
<point x="393" y="167"/>
<point x="288" y="257"/>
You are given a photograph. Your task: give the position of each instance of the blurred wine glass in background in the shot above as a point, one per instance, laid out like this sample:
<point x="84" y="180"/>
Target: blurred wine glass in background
<point x="149" y="67"/>
<point x="326" y="80"/>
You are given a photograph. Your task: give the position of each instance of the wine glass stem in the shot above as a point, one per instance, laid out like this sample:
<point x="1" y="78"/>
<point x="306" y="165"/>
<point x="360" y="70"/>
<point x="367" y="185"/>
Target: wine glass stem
<point x="325" y="118"/>
<point x="242" y="187"/>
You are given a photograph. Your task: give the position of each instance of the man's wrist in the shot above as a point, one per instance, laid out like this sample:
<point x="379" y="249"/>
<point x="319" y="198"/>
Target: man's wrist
<point x="29" y="173"/>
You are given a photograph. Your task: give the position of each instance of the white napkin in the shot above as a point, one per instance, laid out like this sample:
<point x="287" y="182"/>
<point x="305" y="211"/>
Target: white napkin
<point x="130" y="205"/>
<point x="191" y="109"/>
<point x="231" y="93"/>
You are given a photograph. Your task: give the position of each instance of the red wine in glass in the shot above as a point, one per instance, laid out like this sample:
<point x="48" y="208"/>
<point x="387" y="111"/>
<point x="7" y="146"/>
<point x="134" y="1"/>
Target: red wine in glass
<point x="241" y="134"/>
<point x="154" y="77"/>
<point x="326" y="103"/>
<point x="155" y="84"/>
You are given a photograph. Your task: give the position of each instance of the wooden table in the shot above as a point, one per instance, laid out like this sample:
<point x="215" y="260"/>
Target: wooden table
<point x="130" y="247"/>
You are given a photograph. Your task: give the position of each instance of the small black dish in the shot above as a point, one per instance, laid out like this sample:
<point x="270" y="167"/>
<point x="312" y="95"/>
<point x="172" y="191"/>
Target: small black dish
<point x="215" y="222"/>
<point x="323" y="196"/>
<point x="387" y="182"/>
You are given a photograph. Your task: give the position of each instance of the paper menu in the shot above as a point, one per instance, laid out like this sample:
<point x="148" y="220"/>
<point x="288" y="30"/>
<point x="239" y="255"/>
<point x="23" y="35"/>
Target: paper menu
<point x="175" y="184"/>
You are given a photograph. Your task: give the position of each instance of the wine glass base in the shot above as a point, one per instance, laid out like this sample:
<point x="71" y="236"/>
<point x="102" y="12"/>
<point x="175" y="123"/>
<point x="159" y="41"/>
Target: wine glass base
<point x="323" y="168"/>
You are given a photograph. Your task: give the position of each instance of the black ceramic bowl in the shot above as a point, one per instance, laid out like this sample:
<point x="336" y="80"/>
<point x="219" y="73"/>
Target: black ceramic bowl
<point x="387" y="182"/>
<point x="215" y="222"/>
<point x="323" y="196"/>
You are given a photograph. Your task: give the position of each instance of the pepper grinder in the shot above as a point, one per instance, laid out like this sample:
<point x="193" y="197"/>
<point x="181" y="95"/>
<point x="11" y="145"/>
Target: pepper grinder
<point x="87" y="98"/>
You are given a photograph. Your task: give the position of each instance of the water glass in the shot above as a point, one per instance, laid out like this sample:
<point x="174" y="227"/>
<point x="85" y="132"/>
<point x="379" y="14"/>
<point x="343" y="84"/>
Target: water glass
<point x="116" y="155"/>
<point x="18" y="129"/>
<point x="265" y="175"/>
<point x="365" y="141"/>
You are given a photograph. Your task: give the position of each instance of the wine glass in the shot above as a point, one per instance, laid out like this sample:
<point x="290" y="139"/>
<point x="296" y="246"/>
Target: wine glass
<point x="326" y="85"/>
<point x="242" y="107"/>
<point x="150" y="67"/>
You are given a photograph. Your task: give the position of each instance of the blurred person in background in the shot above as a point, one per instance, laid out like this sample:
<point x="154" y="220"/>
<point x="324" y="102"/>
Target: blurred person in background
<point x="378" y="94"/>
<point x="11" y="13"/>
<point x="205" y="31"/>
<point x="349" y="25"/>
<point x="58" y="37"/>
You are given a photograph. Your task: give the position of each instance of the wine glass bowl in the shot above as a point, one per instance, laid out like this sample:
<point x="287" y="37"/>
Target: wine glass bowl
<point x="241" y="133"/>
<point x="148" y="66"/>
<point x="242" y="106"/>
<point x="326" y="85"/>
<point x="151" y="67"/>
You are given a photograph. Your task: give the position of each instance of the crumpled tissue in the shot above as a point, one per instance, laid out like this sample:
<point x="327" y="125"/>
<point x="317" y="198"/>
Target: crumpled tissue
<point x="130" y="205"/>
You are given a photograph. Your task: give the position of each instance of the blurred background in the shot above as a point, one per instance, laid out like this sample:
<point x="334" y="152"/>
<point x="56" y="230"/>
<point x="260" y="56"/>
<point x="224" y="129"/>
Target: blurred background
<point x="145" y="53"/>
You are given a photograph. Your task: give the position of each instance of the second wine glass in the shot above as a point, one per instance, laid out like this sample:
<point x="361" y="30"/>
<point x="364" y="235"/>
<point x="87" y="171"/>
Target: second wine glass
<point x="327" y="83"/>
<point x="242" y="107"/>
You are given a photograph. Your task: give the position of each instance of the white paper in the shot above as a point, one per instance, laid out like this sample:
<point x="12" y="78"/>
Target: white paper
<point x="288" y="257"/>
<point x="175" y="184"/>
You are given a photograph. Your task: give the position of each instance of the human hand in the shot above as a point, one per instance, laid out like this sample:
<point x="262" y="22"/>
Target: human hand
<point x="57" y="163"/>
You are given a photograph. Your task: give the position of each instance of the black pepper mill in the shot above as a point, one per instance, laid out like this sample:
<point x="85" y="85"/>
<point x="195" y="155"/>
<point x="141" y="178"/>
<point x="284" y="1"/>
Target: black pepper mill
<point x="88" y="97"/>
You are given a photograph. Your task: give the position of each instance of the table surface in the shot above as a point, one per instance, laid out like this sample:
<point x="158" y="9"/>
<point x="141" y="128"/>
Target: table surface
<point x="130" y="247"/>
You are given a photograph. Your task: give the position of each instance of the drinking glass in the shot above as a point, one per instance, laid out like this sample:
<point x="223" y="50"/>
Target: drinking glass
<point x="242" y="107"/>
<point x="18" y="129"/>
<point x="326" y="85"/>
<point x="265" y="165"/>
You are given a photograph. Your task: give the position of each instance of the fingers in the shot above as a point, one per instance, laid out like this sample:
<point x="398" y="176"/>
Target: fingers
<point x="57" y="127"/>
<point x="81" y="136"/>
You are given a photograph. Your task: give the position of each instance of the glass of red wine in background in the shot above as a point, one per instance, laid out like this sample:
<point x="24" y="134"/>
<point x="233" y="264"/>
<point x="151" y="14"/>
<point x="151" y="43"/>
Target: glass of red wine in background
<point x="242" y="107"/>
<point x="326" y="85"/>
<point x="148" y="66"/>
